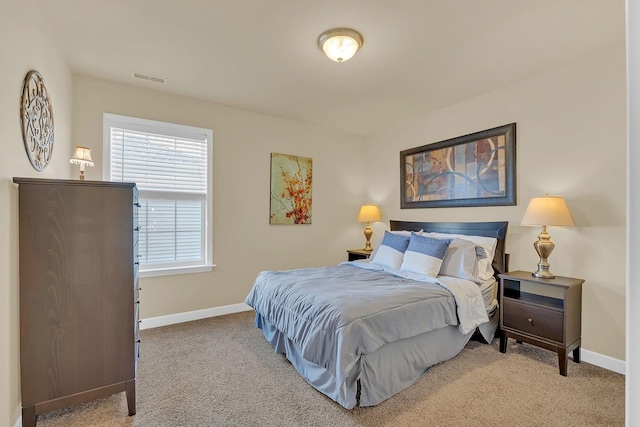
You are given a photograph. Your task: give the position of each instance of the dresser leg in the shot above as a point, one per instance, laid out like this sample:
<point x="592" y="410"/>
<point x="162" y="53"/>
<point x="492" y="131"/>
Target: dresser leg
<point x="29" y="416"/>
<point x="131" y="396"/>
<point x="563" y="361"/>
<point x="576" y="354"/>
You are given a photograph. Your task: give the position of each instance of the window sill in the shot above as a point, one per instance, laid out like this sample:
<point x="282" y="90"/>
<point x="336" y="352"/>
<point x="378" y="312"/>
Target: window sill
<point x="176" y="271"/>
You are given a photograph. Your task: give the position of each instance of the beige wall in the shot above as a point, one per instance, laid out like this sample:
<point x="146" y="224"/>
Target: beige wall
<point x="244" y="242"/>
<point x="23" y="46"/>
<point x="571" y="141"/>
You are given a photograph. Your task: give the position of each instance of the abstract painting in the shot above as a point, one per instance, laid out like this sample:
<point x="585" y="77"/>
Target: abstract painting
<point x="291" y="179"/>
<point x="472" y="170"/>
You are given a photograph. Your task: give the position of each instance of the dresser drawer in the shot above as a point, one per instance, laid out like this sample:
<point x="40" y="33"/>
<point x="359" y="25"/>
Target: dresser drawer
<point x="533" y="320"/>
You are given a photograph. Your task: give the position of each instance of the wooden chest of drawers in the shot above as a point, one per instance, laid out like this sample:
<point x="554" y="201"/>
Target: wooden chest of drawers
<point x="78" y="293"/>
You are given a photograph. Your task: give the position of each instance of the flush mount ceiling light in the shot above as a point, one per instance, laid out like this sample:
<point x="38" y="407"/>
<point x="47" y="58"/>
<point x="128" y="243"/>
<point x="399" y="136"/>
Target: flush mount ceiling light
<point x="340" y="44"/>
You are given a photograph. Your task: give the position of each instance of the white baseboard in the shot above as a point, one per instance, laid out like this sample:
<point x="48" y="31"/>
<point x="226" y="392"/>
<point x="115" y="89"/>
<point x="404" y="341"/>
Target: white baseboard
<point x="172" y="319"/>
<point x="606" y="362"/>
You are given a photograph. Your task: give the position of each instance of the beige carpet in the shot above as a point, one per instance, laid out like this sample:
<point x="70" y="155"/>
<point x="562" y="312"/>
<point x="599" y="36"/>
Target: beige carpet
<point x="221" y="372"/>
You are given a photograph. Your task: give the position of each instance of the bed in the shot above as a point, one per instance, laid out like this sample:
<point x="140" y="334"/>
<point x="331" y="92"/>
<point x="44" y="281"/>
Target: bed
<point x="362" y="331"/>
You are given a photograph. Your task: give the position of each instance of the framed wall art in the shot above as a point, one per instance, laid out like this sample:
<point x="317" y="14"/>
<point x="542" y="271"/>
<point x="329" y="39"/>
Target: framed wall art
<point x="291" y="182"/>
<point x="472" y="170"/>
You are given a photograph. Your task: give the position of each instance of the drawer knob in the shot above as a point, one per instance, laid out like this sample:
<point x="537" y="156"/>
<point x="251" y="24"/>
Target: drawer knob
<point x="530" y="320"/>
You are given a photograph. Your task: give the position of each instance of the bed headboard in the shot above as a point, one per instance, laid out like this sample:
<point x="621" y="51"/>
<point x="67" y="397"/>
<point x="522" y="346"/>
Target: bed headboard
<point x="497" y="229"/>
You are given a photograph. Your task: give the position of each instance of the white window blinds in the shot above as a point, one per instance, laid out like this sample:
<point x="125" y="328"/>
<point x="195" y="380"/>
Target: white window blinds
<point x="170" y="164"/>
<point x="159" y="162"/>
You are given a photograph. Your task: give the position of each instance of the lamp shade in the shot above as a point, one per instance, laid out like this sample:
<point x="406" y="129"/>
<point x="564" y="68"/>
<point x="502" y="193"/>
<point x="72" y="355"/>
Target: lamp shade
<point x="547" y="210"/>
<point x="82" y="155"/>
<point x="369" y="213"/>
<point x="340" y="44"/>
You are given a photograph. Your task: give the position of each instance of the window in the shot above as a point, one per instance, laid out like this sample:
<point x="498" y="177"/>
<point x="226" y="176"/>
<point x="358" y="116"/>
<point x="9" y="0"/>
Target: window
<point x="170" y="164"/>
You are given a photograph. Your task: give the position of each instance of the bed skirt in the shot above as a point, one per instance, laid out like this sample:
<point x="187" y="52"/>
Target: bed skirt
<point x="375" y="376"/>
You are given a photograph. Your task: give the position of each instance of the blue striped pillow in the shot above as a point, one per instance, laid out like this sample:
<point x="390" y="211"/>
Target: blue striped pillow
<point x="424" y="255"/>
<point x="391" y="250"/>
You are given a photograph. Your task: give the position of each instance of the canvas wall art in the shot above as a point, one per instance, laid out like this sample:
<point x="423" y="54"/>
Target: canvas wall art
<point x="472" y="170"/>
<point x="291" y="182"/>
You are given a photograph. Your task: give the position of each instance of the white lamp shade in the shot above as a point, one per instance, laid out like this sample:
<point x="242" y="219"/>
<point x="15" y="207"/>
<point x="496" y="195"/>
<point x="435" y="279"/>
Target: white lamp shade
<point x="369" y="213"/>
<point x="82" y="156"/>
<point x="340" y="44"/>
<point x="547" y="210"/>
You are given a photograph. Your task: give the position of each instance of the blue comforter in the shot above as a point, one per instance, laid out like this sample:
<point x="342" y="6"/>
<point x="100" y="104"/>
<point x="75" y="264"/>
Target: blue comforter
<point x="335" y="314"/>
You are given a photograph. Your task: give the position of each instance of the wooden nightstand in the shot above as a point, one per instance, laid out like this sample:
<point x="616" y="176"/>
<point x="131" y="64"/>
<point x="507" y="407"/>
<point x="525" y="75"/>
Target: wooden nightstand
<point x="543" y="312"/>
<point x="355" y="254"/>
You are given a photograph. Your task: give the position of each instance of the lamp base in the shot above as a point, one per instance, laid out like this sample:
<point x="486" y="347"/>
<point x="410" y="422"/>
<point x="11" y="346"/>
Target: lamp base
<point x="543" y="246"/>
<point x="543" y="274"/>
<point x="368" y="232"/>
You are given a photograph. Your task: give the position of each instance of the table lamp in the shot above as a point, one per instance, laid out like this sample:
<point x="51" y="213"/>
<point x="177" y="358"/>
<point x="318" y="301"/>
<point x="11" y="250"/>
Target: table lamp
<point x="82" y="156"/>
<point x="546" y="211"/>
<point x="369" y="213"/>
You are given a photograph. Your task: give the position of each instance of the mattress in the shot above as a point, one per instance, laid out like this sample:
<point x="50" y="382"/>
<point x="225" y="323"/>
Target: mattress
<point x="489" y="292"/>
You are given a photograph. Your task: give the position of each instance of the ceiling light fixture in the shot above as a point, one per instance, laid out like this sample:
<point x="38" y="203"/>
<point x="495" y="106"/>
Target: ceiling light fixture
<point x="340" y="44"/>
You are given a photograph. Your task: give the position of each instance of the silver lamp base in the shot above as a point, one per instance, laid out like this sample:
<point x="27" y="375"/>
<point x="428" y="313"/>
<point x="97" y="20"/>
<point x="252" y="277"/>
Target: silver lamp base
<point x="544" y="246"/>
<point x="542" y="273"/>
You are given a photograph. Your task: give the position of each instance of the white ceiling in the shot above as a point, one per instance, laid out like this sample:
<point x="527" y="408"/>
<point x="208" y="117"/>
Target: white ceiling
<point x="262" y="55"/>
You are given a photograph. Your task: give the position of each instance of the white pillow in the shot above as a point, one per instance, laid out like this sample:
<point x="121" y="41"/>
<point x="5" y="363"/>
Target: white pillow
<point x="461" y="261"/>
<point x="424" y="255"/>
<point x="391" y="250"/>
<point x="484" y="254"/>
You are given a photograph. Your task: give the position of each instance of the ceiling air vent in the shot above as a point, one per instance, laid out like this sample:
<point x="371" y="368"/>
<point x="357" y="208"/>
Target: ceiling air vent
<point x="150" y="78"/>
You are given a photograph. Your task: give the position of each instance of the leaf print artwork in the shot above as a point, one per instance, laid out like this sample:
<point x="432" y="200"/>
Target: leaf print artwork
<point x="291" y="179"/>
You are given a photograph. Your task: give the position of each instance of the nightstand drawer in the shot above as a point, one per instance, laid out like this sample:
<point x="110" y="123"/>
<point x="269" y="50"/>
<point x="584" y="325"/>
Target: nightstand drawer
<point x="533" y="320"/>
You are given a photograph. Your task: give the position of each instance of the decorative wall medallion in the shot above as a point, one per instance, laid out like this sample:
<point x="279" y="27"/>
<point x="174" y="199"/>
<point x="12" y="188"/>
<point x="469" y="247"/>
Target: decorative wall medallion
<point x="36" y="117"/>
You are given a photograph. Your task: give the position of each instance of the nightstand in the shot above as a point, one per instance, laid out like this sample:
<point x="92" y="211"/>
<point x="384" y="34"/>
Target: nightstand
<point x="355" y="254"/>
<point x="543" y="312"/>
